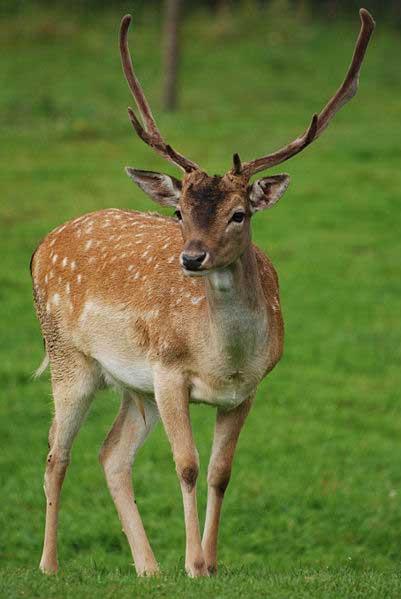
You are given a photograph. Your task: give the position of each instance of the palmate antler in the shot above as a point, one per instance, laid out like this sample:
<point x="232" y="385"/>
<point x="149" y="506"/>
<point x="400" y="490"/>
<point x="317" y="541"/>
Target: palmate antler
<point x="149" y="132"/>
<point x="319" y="121"/>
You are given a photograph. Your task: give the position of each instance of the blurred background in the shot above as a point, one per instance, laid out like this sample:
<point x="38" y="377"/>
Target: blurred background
<point x="317" y="476"/>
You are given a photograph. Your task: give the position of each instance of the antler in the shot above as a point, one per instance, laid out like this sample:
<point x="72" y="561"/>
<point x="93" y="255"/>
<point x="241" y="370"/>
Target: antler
<point x="319" y="121"/>
<point x="149" y="132"/>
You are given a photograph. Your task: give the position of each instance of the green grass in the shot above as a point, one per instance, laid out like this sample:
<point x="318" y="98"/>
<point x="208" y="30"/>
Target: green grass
<point x="313" y="508"/>
<point x="237" y="583"/>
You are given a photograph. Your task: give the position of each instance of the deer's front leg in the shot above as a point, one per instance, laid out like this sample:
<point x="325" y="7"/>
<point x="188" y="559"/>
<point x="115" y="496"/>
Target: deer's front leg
<point x="173" y="402"/>
<point x="227" y="430"/>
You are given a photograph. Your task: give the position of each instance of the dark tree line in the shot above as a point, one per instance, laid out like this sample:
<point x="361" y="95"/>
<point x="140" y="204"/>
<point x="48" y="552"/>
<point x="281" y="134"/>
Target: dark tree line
<point x="391" y="8"/>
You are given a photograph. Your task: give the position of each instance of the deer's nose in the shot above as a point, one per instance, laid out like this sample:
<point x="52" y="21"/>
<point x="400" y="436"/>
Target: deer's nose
<point x="193" y="261"/>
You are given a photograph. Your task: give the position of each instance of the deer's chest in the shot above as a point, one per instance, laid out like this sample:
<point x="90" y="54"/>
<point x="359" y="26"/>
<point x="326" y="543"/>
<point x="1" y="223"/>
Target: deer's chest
<point x="234" y="360"/>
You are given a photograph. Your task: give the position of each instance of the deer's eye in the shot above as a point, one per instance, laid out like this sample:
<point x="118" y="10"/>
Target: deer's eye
<point x="238" y="217"/>
<point x="178" y="214"/>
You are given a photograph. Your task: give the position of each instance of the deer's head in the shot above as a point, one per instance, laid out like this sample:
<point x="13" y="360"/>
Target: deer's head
<point x="215" y="211"/>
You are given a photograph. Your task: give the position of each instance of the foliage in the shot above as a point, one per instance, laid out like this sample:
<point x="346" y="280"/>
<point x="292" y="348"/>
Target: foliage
<point x="313" y="507"/>
<point x="324" y="8"/>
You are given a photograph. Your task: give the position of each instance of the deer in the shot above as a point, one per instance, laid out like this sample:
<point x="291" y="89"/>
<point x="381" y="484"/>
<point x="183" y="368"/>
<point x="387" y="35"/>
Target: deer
<point x="168" y="310"/>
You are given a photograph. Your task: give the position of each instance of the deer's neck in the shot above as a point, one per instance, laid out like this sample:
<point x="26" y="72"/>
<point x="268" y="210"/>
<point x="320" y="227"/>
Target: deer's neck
<point x="236" y="308"/>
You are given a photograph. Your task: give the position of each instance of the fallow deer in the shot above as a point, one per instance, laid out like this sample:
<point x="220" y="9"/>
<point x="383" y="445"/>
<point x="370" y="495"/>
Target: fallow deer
<point x="169" y="310"/>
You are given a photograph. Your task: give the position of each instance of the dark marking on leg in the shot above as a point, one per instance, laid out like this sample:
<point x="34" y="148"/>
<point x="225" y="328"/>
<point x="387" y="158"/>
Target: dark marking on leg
<point x="189" y="475"/>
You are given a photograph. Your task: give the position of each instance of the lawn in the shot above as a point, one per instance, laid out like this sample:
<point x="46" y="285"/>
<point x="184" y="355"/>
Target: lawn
<point x="314" y="505"/>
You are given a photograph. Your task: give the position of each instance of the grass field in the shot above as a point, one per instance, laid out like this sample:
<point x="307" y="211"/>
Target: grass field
<point x="314" y="504"/>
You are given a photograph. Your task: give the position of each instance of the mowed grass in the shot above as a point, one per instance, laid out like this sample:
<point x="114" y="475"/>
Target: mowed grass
<point x="314" y="505"/>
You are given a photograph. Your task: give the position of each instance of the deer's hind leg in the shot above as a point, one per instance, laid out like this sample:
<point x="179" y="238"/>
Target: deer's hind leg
<point x="74" y="379"/>
<point x="134" y="422"/>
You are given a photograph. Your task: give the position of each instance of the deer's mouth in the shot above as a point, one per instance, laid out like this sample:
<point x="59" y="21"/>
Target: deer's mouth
<point x="196" y="273"/>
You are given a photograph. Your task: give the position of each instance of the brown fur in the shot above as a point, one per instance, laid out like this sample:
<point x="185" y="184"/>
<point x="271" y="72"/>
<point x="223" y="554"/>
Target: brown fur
<point x="112" y="279"/>
<point x="132" y="262"/>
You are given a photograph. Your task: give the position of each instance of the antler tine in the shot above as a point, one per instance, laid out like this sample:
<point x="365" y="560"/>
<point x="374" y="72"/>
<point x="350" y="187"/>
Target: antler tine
<point x="320" y="121"/>
<point x="237" y="166"/>
<point x="133" y="83"/>
<point x="149" y="131"/>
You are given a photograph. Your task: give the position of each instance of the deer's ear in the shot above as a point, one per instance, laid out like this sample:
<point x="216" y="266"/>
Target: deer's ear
<point x="163" y="189"/>
<point x="264" y="193"/>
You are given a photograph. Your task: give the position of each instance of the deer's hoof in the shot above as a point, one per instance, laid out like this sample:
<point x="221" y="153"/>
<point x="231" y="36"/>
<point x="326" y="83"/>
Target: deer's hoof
<point x="197" y="568"/>
<point x="48" y="567"/>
